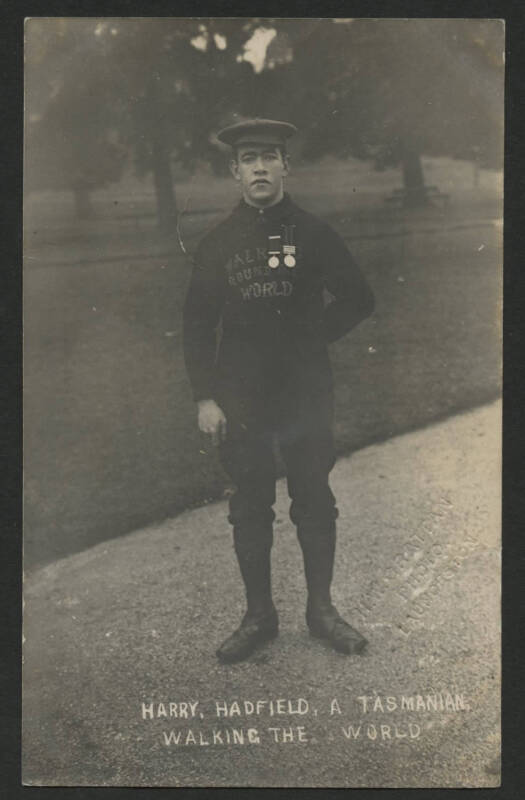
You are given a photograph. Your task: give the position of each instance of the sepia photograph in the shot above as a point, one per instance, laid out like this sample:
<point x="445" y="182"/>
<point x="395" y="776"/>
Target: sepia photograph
<point x="262" y="308"/>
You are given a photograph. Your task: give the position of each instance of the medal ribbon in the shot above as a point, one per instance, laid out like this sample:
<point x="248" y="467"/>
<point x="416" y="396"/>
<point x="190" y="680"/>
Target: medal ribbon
<point x="289" y="249"/>
<point x="274" y="251"/>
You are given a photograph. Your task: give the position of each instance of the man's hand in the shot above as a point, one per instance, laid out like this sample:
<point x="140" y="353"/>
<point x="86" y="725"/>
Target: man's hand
<point x="212" y="420"/>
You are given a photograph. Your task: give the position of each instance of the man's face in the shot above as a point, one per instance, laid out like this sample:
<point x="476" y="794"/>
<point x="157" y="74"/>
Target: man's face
<point x="260" y="169"/>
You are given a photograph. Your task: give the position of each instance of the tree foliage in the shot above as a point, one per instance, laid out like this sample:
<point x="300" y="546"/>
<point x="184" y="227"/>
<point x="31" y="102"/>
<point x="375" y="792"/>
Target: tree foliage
<point x="372" y="87"/>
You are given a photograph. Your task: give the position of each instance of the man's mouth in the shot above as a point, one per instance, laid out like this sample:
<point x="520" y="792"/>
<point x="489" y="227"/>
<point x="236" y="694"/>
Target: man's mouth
<point x="261" y="182"/>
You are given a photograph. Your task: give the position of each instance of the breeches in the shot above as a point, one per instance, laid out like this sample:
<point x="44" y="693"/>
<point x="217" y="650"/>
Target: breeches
<point x="307" y="449"/>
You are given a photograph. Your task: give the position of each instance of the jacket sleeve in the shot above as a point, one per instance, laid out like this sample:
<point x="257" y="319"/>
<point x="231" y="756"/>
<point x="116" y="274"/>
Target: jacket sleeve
<point x="201" y="316"/>
<point x="353" y="300"/>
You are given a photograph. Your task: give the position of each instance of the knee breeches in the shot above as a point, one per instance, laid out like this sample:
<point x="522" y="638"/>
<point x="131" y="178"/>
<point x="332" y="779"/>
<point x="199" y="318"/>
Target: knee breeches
<point x="248" y="458"/>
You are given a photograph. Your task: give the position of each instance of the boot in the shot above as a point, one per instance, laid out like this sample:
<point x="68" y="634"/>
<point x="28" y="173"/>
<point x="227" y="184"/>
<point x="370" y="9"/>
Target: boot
<point x="260" y="622"/>
<point x="322" y="618"/>
<point x="252" y="632"/>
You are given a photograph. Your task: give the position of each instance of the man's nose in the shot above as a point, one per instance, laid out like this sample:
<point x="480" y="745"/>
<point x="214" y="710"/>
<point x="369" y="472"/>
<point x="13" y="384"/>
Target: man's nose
<point x="260" y="166"/>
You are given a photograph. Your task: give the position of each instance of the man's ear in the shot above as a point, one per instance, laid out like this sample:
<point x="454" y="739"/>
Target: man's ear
<point x="234" y="169"/>
<point x="286" y="162"/>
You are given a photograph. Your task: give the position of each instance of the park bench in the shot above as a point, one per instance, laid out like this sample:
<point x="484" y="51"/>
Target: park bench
<point x="431" y="194"/>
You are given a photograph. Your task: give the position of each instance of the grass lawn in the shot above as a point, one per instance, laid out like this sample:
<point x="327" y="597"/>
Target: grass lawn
<point x="110" y="436"/>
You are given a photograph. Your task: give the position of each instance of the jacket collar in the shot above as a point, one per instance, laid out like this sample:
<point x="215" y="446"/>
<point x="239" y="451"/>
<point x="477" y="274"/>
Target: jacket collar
<point x="275" y="213"/>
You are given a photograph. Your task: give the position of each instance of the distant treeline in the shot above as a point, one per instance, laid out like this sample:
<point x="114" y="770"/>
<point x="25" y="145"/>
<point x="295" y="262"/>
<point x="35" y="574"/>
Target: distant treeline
<point x="103" y="92"/>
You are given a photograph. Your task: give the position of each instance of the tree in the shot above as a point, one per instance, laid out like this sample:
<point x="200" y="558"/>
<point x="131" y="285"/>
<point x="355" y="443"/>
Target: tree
<point x="177" y="81"/>
<point x="392" y="90"/>
<point x="71" y="126"/>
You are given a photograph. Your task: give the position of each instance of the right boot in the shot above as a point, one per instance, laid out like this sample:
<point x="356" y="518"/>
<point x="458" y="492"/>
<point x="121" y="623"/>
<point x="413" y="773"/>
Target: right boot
<point x="252" y="632"/>
<point x="260" y="623"/>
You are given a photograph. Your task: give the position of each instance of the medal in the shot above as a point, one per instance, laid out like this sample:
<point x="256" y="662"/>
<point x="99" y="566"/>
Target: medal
<point x="289" y="249"/>
<point x="274" y="251"/>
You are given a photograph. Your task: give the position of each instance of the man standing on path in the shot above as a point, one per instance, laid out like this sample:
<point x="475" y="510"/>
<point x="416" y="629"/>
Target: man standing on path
<point x="263" y="272"/>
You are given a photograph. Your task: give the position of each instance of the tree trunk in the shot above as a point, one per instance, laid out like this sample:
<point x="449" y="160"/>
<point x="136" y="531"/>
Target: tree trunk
<point x="165" y="193"/>
<point x="83" y="205"/>
<point x="414" y="183"/>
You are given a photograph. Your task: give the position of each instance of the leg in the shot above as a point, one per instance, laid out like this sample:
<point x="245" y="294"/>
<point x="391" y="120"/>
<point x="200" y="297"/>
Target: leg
<point x="309" y="460"/>
<point x="248" y="459"/>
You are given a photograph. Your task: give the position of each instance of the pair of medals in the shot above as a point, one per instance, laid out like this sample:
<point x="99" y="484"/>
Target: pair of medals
<point x="277" y="249"/>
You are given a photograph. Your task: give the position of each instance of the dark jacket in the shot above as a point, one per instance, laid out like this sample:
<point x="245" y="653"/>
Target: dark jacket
<point x="274" y="321"/>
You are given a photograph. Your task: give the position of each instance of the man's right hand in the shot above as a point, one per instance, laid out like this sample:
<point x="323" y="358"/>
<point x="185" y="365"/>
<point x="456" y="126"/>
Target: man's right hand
<point x="211" y="420"/>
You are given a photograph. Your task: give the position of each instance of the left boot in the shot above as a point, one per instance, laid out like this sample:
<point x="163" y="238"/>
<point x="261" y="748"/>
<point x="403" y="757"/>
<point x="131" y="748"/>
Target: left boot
<point x="323" y="619"/>
<point x="326" y="623"/>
